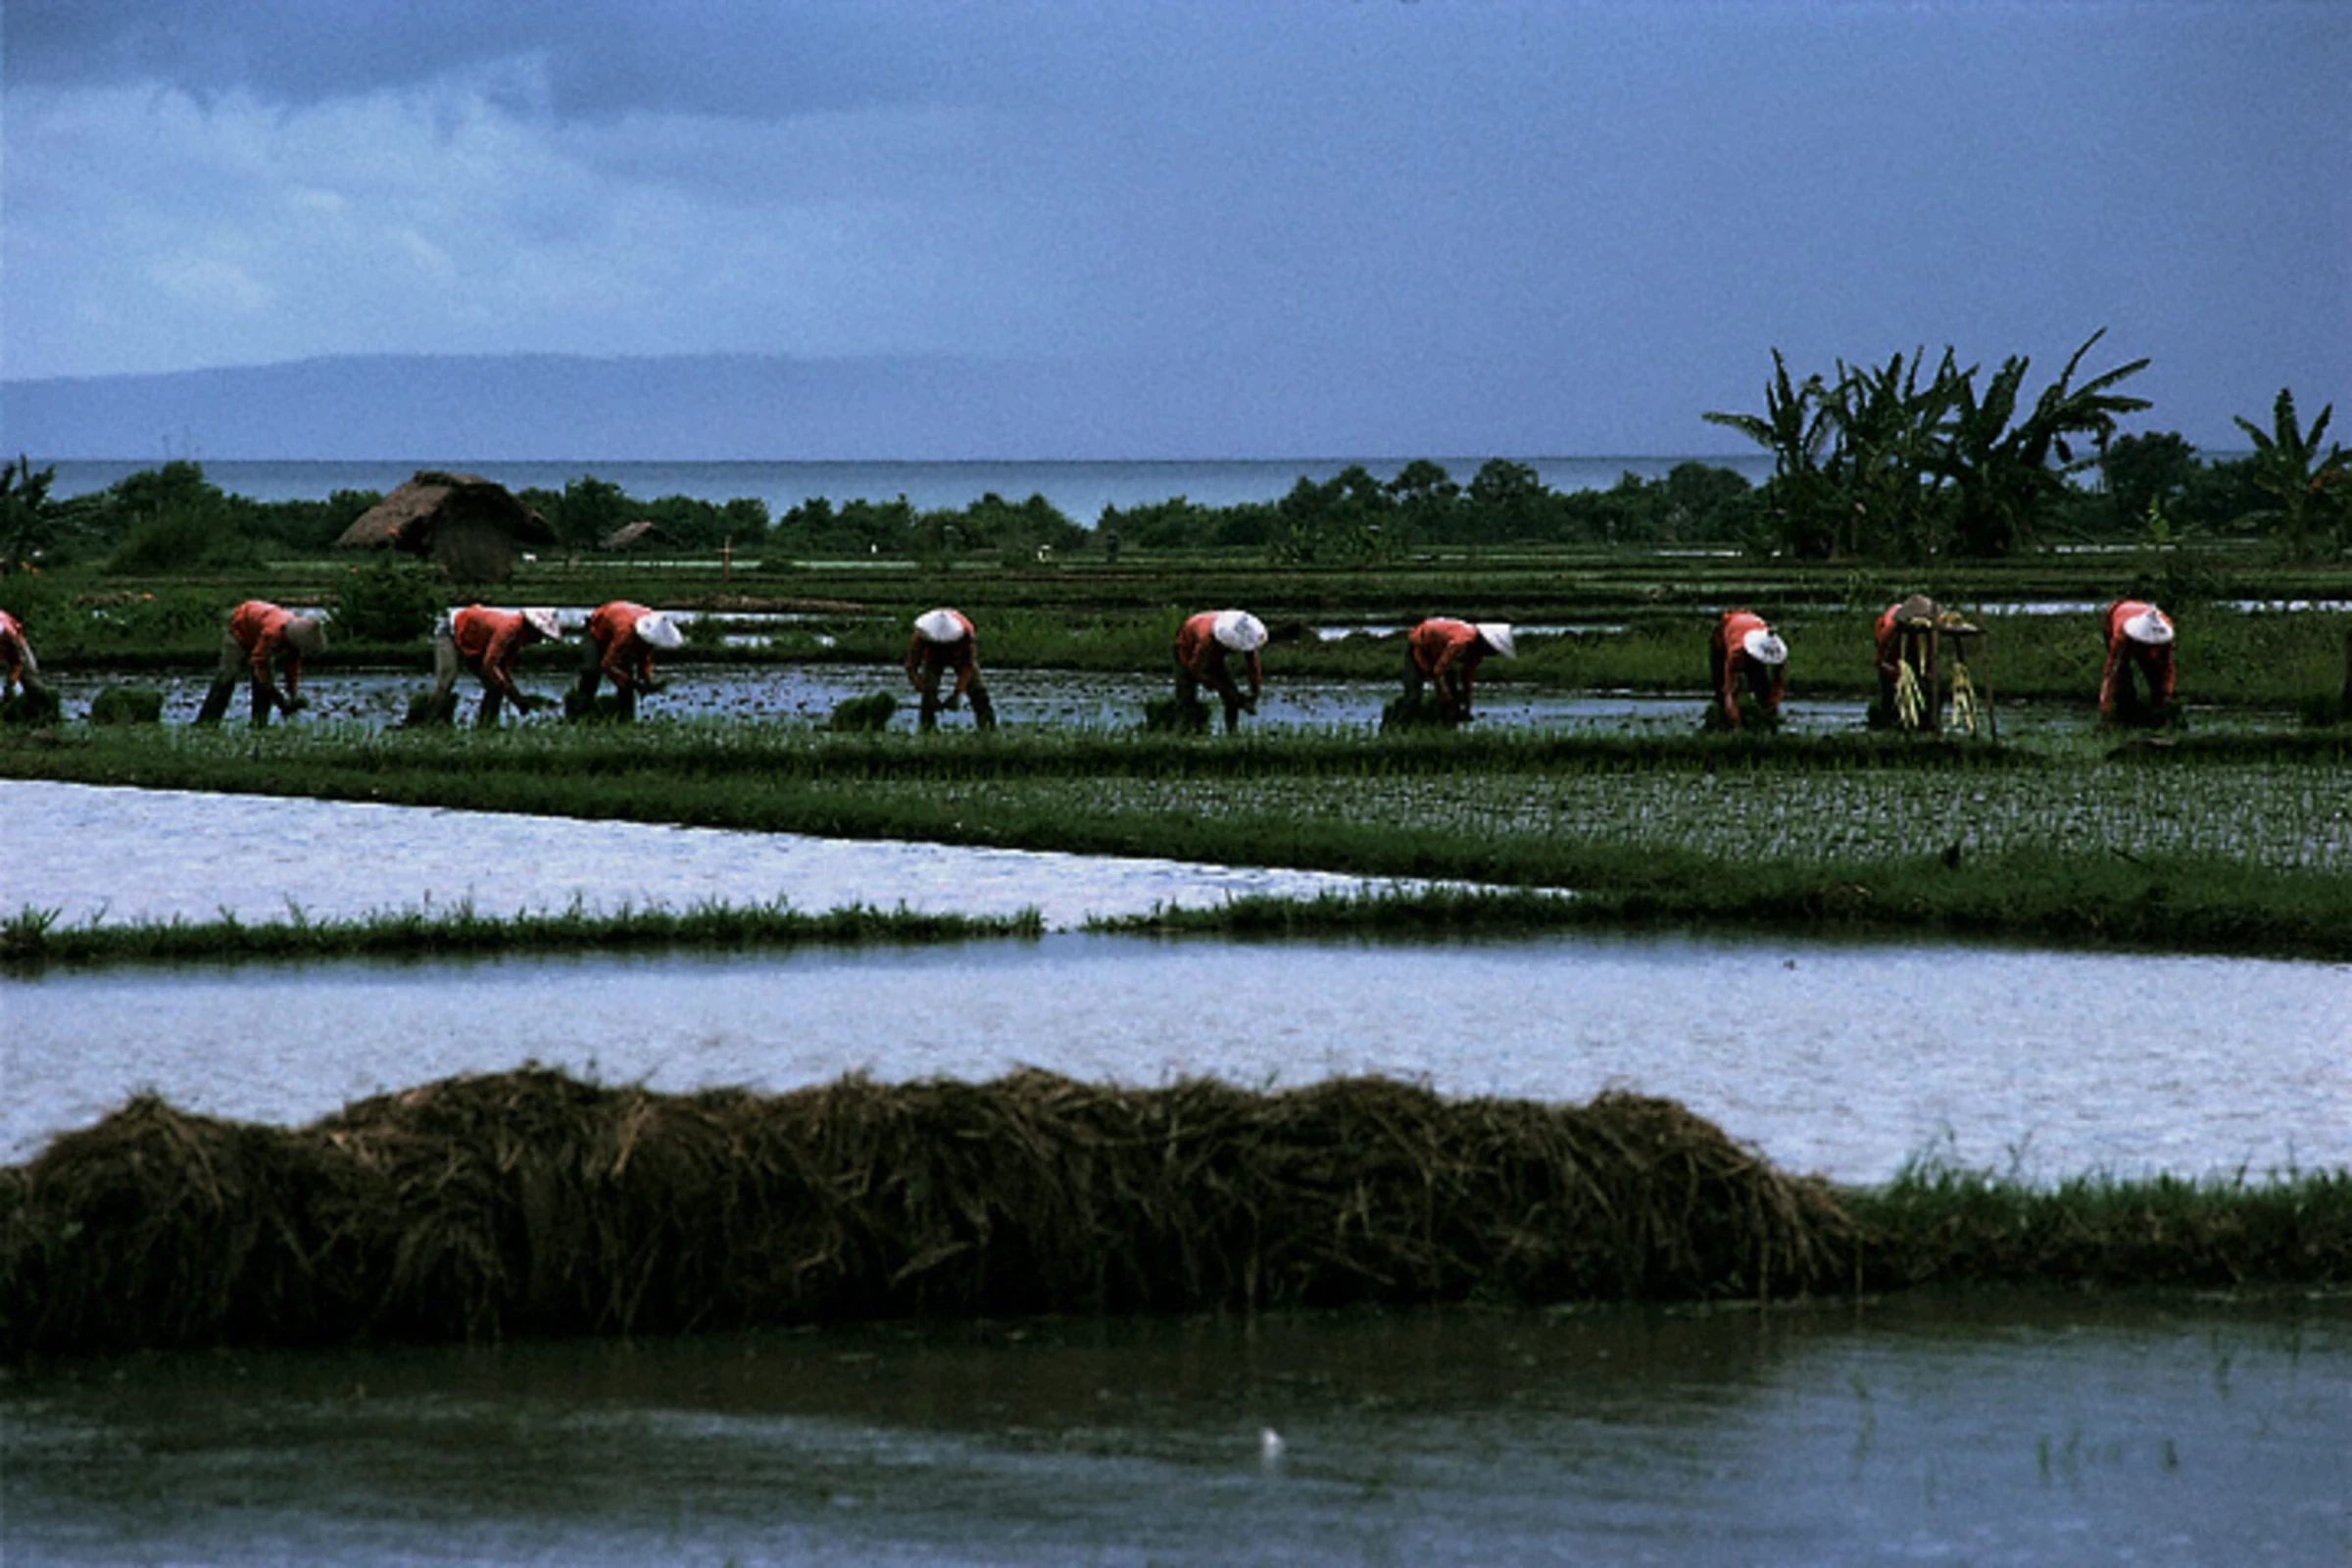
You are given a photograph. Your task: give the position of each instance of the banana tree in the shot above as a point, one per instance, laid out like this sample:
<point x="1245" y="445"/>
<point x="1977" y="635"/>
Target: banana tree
<point x="2313" y="487"/>
<point x="1795" y="428"/>
<point x="1887" y="430"/>
<point x="2002" y="473"/>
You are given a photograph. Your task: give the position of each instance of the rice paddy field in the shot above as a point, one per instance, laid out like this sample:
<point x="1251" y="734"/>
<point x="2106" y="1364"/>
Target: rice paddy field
<point x="1972" y="1195"/>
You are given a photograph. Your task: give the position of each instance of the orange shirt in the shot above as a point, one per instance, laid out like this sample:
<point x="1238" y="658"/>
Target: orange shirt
<point x="1732" y="659"/>
<point x="493" y="639"/>
<point x="2154" y="659"/>
<point x="2121" y="610"/>
<point x="1441" y="643"/>
<point x="260" y="628"/>
<point x="1198" y="651"/>
<point x="614" y="628"/>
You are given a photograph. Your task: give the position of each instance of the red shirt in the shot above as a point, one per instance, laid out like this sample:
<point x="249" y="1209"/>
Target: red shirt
<point x="1198" y="651"/>
<point x="613" y="628"/>
<point x="493" y="639"/>
<point x="2155" y="659"/>
<point x="260" y="628"/>
<point x="1441" y="643"/>
<point x="1731" y="659"/>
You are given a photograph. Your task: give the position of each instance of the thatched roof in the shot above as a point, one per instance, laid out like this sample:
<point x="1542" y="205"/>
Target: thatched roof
<point x="410" y="516"/>
<point x="628" y="534"/>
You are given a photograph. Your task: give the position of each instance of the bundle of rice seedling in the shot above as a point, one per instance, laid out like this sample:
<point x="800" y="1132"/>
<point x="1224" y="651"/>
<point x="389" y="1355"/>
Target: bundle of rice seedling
<point x="530" y="1202"/>
<point x="127" y="705"/>
<point x="28" y="707"/>
<point x="1175" y="715"/>
<point x="864" y="715"/>
<point x="424" y="708"/>
<point x="1424" y="712"/>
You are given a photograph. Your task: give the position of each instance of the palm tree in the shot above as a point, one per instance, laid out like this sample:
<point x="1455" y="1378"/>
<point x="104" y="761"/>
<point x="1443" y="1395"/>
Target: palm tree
<point x="2310" y="484"/>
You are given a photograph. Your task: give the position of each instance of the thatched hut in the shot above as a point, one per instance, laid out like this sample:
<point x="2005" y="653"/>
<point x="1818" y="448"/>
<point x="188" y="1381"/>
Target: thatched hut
<point x="472" y="527"/>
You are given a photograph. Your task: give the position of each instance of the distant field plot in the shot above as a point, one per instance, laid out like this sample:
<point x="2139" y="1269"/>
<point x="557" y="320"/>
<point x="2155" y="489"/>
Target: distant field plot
<point x="2285" y="819"/>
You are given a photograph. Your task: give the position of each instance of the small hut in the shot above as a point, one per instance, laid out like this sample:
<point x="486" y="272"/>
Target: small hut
<point x="468" y="527"/>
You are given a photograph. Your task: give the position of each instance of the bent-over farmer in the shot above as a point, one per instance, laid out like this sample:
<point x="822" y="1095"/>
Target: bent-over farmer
<point x="2140" y="637"/>
<point x="24" y="671"/>
<point x="260" y="634"/>
<point x="621" y="643"/>
<point x="1744" y="648"/>
<point x="488" y="642"/>
<point x="1445" y="653"/>
<point x="1202" y="643"/>
<point x="943" y="640"/>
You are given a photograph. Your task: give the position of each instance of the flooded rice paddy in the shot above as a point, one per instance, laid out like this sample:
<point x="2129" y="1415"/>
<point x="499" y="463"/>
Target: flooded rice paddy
<point x="119" y="855"/>
<point x="806" y="694"/>
<point x="1843" y="1059"/>
<point x="1846" y="1059"/>
<point x="1988" y="1429"/>
<point x="2016" y="1431"/>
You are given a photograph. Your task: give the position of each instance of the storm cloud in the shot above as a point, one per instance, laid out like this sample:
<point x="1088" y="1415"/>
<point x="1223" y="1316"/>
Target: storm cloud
<point x="1576" y="225"/>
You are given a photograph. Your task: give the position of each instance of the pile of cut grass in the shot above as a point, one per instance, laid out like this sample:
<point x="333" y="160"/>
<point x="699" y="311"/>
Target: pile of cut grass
<point x="530" y="1203"/>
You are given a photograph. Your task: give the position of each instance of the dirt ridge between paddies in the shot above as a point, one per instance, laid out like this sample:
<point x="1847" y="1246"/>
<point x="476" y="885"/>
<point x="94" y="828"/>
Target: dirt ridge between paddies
<point x="528" y="1202"/>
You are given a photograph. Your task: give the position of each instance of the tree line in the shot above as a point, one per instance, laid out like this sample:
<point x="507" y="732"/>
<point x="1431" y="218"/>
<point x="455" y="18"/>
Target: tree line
<point x="1906" y="462"/>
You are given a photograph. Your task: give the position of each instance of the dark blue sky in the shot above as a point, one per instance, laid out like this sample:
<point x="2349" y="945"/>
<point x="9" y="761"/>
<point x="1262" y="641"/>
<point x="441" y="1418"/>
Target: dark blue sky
<point x="1437" y="225"/>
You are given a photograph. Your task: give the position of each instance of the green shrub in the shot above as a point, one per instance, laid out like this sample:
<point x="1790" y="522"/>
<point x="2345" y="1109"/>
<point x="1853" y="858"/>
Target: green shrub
<point x="389" y="601"/>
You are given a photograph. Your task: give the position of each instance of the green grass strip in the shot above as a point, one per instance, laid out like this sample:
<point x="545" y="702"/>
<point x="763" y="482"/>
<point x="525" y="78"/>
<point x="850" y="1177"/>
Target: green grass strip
<point x="32" y="938"/>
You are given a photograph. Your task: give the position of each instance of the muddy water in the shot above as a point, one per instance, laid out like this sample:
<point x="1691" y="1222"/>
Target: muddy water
<point x="2019" y="1430"/>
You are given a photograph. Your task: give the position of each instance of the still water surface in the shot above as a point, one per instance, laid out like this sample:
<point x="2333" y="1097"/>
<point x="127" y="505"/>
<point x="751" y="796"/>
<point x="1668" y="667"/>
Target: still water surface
<point x="1843" y="1059"/>
<point x="1981" y="1430"/>
<point x="1970" y="1431"/>
<point x="107" y="854"/>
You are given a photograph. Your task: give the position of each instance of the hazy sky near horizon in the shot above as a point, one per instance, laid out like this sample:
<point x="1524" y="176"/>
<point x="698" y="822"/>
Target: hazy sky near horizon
<point x="1574" y="226"/>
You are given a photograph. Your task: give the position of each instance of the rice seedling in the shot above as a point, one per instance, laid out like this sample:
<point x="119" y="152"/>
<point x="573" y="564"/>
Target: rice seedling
<point x="1642" y="824"/>
<point x="127" y="705"/>
<point x="863" y="715"/>
<point x="532" y="1203"/>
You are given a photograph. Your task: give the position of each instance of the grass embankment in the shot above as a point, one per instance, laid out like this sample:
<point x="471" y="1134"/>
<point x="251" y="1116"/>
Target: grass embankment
<point x="528" y="1202"/>
<point x="34" y="938"/>
<point x="2243" y="846"/>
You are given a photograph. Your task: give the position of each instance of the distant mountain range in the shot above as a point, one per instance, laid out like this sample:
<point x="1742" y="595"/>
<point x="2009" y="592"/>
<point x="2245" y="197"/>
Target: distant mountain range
<point x="701" y="407"/>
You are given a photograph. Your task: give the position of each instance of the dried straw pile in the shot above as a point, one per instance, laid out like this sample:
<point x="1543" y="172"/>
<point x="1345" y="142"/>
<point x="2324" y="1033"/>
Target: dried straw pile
<point x="530" y="1203"/>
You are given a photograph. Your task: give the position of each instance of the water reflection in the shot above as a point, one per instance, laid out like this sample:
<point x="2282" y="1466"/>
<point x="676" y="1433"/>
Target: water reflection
<point x="1845" y="1059"/>
<point x="124" y="854"/>
<point x="2025" y="1431"/>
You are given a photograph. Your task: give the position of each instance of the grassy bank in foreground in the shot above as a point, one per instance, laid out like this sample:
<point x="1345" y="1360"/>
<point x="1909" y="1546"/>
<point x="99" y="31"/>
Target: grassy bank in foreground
<point x="2229" y="850"/>
<point x="530" y="1203"/>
